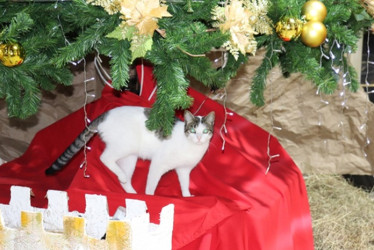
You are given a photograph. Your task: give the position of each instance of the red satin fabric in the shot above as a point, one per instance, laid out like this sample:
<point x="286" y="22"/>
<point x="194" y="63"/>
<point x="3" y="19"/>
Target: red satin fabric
<point x="235" y="205"/>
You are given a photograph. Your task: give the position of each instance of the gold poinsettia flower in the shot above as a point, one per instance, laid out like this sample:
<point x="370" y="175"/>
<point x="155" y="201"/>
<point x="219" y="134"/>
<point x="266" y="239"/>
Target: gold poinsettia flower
<point x="110" y="6"/>
<point x="235" y="15"/>
<point x="235" y="19"/>
<point x="241" y="18"/>
<point x="143" y="14"/>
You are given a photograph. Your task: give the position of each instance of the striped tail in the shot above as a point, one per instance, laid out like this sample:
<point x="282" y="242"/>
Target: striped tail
<point x="76" y="146"/>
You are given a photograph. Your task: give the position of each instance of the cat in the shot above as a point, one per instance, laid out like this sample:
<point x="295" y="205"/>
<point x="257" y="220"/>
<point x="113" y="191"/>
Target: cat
<point x="127" y="138"/>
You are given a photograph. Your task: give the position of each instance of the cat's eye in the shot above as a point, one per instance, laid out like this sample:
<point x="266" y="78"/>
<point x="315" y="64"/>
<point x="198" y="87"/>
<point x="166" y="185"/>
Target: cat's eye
<point x="205" y="131"/>
<point x="192" y="130"/>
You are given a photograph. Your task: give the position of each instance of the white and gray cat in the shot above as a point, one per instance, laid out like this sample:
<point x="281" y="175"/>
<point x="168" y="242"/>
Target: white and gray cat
<point x="126" y="139"/>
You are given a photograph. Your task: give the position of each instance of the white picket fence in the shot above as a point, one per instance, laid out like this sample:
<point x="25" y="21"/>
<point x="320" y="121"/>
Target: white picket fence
<point x="142" y="234"/>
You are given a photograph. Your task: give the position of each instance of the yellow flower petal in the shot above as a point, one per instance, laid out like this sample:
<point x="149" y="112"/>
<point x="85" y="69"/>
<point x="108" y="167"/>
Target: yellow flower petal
<point x="143" y="14"/>
<point x="160" y="12"/>
<point x="147" y="26"/>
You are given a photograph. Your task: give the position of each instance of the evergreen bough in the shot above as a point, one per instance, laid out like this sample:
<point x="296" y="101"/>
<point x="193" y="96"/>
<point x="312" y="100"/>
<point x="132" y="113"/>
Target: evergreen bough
<point x="54" y="34"/>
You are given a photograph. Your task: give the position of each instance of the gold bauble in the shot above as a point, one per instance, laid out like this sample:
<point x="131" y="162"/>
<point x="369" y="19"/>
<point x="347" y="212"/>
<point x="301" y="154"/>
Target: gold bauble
<point x="289" y="28"/>
<point x="313" y="34"/>
<point x="314" y="10"/>
<point x="11" y="54"/>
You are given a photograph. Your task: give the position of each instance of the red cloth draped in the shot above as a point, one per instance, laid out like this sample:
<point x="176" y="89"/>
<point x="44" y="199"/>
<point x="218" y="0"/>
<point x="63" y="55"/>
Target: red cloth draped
<point x="235" y="204"/>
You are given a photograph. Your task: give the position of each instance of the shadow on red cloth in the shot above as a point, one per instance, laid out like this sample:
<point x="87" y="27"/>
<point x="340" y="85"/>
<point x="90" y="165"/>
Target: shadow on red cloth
<point x="235" y="205"/>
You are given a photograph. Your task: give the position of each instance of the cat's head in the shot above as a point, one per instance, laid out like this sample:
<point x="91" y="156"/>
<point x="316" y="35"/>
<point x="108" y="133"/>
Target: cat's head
<point x="198" y="129"/>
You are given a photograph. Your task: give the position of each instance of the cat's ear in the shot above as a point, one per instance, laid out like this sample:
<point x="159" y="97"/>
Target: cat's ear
<point x="209" y="118"/>
<point x="188" y="116"/>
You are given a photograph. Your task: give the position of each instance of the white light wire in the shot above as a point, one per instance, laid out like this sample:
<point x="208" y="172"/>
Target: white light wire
<point x="87" y="121"/>
<point x="366" y="110"/>
<point x="270" y="156"/>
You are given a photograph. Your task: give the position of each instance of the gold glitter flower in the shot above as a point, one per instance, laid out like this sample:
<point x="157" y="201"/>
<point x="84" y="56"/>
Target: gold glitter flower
<point x="240" y="19"/>
<point x="143" y="14"/>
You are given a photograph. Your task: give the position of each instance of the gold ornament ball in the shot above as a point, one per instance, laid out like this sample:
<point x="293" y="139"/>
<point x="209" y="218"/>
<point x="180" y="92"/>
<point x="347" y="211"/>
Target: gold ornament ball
<point x="314" y="10"/>
<point x="313" y="34"/>
<point x="11" y="54"/>
<point x="289" y="28"/>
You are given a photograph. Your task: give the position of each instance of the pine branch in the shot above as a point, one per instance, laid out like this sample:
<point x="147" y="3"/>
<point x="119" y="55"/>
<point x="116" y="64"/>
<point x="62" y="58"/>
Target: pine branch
<point x="231" y="68"/>
<point x="343" y="36"/>
<point x="86" y="42"/>
<point x="23" y="96"/>
<point x="259" y="81"/>
<point x="120" y="61"/>
<point x="81" y="14"/>
<point x="201" y="10"/>
<point x="19" y="24"/>
<point x="337" y="13"/>
<point x="353" y="77"/>
<point x="30" y="100"/>
<point x="171" y="89"/>
<point x="171" y="95"/>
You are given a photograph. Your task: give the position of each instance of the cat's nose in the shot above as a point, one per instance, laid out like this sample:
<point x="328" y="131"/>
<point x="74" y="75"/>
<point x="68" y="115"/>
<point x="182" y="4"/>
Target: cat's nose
<point x="199" y="137"/>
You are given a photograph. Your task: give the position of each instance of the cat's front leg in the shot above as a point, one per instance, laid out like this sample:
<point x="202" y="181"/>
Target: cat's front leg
<point x="154" y="176"/>
<point x="184" y="180"/>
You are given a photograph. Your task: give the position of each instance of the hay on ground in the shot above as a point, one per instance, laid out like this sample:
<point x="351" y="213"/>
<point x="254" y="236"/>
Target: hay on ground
<point x="342" y="215"/>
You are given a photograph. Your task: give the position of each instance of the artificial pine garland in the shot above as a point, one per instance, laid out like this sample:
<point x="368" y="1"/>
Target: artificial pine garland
<point x="176" y="36"/>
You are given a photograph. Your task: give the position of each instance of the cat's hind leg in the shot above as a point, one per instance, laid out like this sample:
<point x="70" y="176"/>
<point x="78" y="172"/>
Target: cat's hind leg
<point x="127" y="165"/>
<point x="110" y="157"/>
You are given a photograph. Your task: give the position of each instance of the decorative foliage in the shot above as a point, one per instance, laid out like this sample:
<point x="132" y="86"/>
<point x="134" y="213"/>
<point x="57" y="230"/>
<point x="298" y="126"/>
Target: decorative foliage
<point x="20" y="85"/>
<point x="139" y="21"/>
<point x="241" y="20"/>
<point x="323" y="64"/>
<point x="176" y="36"/>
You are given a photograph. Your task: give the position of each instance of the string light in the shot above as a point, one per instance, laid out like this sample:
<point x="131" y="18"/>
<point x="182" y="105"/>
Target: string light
<point x="323" y="55"/>
<point x="104" y="76"/>
<point x="141" y="78"/>
<point x="345" y="78"/>
<point x="221" y="96"/>
<point x="223" y="129"/>
<point x="366" y="111"/>
<point x="270" y="156"/>
<point x="60" y="24"/>
<point x="86" y="119"/>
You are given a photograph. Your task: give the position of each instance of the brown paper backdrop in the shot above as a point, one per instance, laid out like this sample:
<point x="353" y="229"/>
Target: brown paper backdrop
<point x="320" y="137"/>
<point x="16" y="134"/>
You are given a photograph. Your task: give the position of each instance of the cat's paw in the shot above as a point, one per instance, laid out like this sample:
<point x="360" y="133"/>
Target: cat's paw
<point x="149" y="192"/>
<point x="128" y="188"/>
<point x="187" y="194"/>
